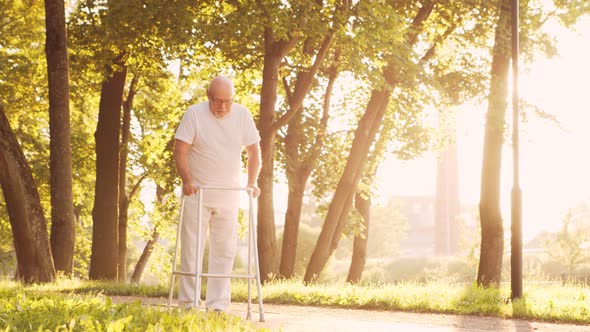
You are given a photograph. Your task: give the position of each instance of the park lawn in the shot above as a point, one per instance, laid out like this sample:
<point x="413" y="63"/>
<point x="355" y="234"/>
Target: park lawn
<point x="543" y="302"/>
<point x="55" y="307"/>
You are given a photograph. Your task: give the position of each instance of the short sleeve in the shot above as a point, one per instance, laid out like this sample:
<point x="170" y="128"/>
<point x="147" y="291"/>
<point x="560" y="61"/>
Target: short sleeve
<point x="250" y="133"/>
<point x="187" y="129"/>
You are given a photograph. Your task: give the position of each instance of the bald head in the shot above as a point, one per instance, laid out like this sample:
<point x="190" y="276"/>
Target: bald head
<point x="221" y="95"/>
<point x="221" y="85"/>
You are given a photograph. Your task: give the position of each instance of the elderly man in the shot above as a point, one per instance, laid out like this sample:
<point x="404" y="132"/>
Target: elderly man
<point x="209" y="143"/>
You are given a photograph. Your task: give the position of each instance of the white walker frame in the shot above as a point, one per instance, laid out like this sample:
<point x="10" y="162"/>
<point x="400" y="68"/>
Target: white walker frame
<point x="252" y="242"/>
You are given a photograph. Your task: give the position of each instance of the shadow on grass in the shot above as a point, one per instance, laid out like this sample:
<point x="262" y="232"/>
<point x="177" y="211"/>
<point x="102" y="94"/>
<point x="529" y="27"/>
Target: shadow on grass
<point x="520" y="311"/>
<point x="494" y="305"/>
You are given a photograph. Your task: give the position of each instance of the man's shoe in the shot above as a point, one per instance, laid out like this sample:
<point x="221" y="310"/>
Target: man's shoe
<point x="185" y="305"/>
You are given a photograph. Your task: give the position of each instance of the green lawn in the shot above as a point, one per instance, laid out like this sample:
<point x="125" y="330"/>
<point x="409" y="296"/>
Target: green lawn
<point x="83" y="302"/>
<point x="62" y="307"/>
<point x="553" y="302"/>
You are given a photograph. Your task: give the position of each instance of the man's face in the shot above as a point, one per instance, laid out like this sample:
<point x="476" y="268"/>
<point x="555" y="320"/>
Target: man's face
<point x="220" y="100"/>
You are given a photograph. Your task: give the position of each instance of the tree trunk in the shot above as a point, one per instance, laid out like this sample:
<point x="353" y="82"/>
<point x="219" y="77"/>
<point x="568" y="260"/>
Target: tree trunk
<point x="60" y="161"/>
<point x="296" y="182"/>
<point x="492" y="233"/>
<point x="298" y="170"/>
<point x="340" y="205"/>
<point x="103" y="259"/>
<point x="29" y="230"/>
<point x="266" y="219"/>
<point x="123" y="197"/>
<point x="359" y="247"/>
<point x="268" y="97"/>
<point x="291" y="232"/>
<point x="144" y="258"/>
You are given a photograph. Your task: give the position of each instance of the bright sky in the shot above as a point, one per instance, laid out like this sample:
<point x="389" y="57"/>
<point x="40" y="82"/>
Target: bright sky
<point x="555" y="165"/>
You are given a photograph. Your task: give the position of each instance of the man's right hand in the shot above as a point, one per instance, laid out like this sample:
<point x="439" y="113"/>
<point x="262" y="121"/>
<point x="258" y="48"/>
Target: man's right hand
<point x="188" y="189"/>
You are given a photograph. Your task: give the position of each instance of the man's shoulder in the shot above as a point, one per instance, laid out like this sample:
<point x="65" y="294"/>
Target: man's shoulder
<point x="239" y="108"/>
<point x="199" y="107"/>
<point x="196" y="111"/>
<point x="242" y="111"/>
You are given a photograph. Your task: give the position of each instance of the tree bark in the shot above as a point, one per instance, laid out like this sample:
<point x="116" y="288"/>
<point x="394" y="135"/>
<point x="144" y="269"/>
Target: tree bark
<point x="144" y="258"/>
<point x="123" y="197"/>
<point x="266" y="220"/>
<point x="60" y="161"/>
<point x="29" y="230"/>
<point x="359" y="246"/>
<point x="492" y="233"/>
<point x="291" y="232"/>
<point x="103" y="259"/>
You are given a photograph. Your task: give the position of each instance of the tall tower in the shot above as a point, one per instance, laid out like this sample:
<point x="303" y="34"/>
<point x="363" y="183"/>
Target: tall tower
<point x="447" y="206"/>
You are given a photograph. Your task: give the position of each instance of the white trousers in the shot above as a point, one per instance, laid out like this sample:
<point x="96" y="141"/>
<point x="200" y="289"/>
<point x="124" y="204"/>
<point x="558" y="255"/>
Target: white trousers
<point x="223" y="237"/>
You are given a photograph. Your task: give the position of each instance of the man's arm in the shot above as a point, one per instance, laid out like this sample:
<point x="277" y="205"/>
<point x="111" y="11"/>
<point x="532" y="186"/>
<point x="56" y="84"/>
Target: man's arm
<point x="181" y="151"/>
<point x="253" y="167"/>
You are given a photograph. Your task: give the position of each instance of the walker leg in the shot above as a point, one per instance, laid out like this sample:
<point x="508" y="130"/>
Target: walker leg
<point x="199" y="267"/>
<point x="173" y="275"/>
<point x="249" y="280"/>
<point x="256" y="263"/>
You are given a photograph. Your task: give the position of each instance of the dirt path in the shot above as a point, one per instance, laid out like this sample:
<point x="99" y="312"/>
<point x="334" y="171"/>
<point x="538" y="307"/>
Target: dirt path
<point x="288" y="318"/>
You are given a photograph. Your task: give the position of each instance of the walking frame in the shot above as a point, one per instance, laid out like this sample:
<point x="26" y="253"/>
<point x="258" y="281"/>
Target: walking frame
<point x="252" y="242"/>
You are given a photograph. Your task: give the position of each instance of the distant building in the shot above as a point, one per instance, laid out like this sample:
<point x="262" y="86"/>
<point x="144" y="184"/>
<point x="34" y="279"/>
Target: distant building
<point x="419" y="211"/>
<point x="423" y="235"/>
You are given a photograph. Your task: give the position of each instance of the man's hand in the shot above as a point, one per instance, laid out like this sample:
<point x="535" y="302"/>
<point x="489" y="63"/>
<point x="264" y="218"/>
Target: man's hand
<point x="188" y="189"/>
<point x="255" y="190"/>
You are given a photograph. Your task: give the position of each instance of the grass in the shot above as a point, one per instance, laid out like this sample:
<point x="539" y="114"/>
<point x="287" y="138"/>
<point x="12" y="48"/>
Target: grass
<point x="552" y="303"/>
<point x="81" y="306"/>
<point x="545" y="302"/>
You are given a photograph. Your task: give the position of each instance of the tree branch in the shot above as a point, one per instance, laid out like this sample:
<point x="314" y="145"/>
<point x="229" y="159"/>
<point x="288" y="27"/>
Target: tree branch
<point x="319" y="139"/>
<point x="287" y="89"/>
<point x="420" y="17"/>
<point x="438" y="41"/>
<point x="302" y="88"/>
<point x="136" y="186"/>
<point x="131" y="94"/>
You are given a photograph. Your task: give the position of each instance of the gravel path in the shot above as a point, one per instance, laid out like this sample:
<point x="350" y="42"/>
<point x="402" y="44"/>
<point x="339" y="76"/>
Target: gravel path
<point x="289" y="318"/>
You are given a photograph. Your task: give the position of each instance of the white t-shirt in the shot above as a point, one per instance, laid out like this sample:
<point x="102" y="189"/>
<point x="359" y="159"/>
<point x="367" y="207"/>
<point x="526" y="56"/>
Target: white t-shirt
<point x="215" y="155"/>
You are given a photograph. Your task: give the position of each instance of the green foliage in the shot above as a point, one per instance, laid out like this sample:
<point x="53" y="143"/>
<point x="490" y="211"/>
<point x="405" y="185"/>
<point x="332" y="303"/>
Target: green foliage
<point x="569" y="12"/>
<point x="138" y="34"/>
<point x="244" y="45"/>
<point x="23" y="69"/>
